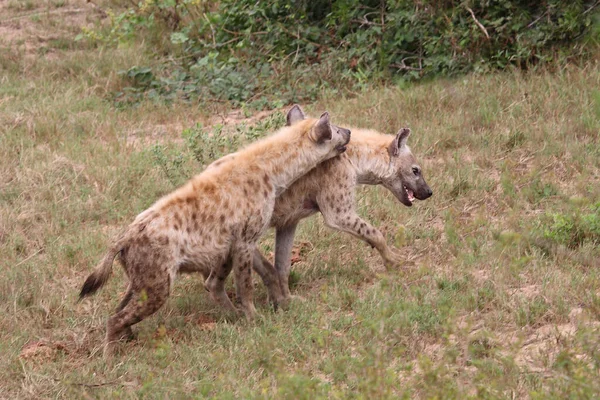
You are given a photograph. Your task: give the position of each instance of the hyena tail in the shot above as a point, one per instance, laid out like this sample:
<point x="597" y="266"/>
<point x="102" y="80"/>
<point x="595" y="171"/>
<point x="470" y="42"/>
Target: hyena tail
<point x="98" y="278"/>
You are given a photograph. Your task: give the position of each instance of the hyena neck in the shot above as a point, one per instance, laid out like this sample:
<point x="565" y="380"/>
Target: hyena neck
<point x="290" y="166"/>
<point x="371" y="162"/>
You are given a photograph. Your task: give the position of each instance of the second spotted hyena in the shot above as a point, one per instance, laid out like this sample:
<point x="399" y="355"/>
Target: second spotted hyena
<point x="372" y="158"/>
<point x="212" y="223"/>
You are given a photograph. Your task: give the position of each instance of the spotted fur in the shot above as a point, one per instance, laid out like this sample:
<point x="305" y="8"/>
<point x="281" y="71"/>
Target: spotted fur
<point x="211" y="224"/>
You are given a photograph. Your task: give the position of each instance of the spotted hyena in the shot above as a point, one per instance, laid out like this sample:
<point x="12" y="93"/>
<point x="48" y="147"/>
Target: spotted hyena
<point x="212" y="223"/>
<point x="372" y="158"/>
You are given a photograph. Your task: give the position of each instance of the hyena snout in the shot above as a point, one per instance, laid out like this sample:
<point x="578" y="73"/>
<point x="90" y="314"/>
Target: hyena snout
<point x="345" y="133"/>
<point x="424" y="192"/>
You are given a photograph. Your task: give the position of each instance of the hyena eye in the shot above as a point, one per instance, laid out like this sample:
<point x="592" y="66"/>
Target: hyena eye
<point x="415" y="170"/>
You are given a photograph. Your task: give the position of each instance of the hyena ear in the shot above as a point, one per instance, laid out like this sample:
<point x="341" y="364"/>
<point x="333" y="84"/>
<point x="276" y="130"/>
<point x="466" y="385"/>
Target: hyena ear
<point x="322" y="129"/>
<point x="294" y="115"/>
<point x="399" y="141"/>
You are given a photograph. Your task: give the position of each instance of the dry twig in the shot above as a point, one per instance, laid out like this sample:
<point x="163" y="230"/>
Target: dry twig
<point x="478" y="23"/>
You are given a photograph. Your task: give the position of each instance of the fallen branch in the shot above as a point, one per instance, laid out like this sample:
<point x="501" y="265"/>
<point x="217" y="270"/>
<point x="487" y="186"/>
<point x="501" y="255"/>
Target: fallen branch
<point x="212" y="30"/>
<point x="591" y="8"/>
<point x="402" y="65"/>
<point x="89" y="385"/>
<point x="94" y="385"/>
<point x="478" y="23"/>
<point x="537" y="19"/>
<point x="38" y="251"/>
<point x="297" y="36"/>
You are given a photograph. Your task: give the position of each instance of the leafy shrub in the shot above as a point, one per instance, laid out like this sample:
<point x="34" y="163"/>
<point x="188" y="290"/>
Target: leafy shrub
<point x="240" y="50"/>
<point x="206" y="146"/>
<point x="203" y="146"/>
<point x="573" y="229"/>
<point x="538" y="190"/>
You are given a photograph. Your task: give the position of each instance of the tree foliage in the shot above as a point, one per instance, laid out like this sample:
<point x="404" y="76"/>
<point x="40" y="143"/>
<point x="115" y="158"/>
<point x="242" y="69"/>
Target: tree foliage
<point x="244" y="50"/>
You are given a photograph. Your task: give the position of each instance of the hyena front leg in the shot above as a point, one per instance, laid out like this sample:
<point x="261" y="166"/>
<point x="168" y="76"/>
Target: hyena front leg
<point x="351" y="223"/>
<point x="284" y="241"/>
<point x="242" y="259"/>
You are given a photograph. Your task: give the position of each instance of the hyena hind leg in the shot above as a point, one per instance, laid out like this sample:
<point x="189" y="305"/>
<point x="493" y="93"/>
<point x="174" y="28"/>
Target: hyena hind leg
<point x="138" y="303"/>
<point x="215" y="285"/>
<point x="243" y="260"/>
<point x="127" y="332"/>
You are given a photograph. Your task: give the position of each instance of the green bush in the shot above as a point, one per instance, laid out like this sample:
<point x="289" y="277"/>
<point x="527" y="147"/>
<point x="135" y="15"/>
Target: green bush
<point x="209" y="145"/>
<point x="204" y="145"/>
<point x="573" y="229"/>
<point x="240" y="50"/>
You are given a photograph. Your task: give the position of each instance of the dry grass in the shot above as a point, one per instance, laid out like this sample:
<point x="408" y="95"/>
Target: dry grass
<point x="503" y="299"/>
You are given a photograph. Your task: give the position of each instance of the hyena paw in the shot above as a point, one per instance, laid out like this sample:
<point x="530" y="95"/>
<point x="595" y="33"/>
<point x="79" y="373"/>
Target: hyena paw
<point x="250" y="312"/>
<point x="294" y="298"/>
<point x="396" y="260"/>
<point x="297" y="298"/>
<point x="277" y="300"/>
<point x="109" y="350"/>
<point x="127" y="335"/>
<point x="285" y="302"/>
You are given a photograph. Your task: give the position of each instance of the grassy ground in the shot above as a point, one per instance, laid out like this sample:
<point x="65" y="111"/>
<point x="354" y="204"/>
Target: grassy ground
<point x="502" y="299"/>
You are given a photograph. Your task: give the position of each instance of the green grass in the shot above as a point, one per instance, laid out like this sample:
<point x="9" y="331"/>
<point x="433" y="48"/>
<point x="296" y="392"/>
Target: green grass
<point x="503" y="299"/>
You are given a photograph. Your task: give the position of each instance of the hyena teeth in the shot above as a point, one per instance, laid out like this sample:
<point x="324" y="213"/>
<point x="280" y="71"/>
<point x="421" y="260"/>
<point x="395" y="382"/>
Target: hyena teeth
<point x="409" y="193"/>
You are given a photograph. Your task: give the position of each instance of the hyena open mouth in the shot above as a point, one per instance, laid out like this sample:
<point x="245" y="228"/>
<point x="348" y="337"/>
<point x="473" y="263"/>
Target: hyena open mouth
<point x="409" y="193"/>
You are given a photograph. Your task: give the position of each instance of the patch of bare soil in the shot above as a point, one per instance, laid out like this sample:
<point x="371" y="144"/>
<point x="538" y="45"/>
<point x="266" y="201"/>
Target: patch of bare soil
<point x="147" y="135"/>
<point x="528" y="292"/>
<point x="541" y="347"/>
<point x="33" y="26"/>
<point x="481" y="275"/>
<point x="204" y="321"/>
<point x="42" y="350"/>
<point x="236" y="117"/>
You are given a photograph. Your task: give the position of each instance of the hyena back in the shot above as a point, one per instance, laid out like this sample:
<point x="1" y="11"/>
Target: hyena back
<point x="212" y="223"/>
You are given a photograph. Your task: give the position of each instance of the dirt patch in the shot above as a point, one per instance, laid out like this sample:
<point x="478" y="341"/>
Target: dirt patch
<point x="42" y="350"/>
<point x="47" y="19"/>
<point x="481" y="275"/>
<point x="42" y="28"/>
<point x="236" y="117"/>
<point x="541" y="347"/>
<point x="204" y="321"/>
<point x="528" y="292"/>
<point x="157" y="134"/>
